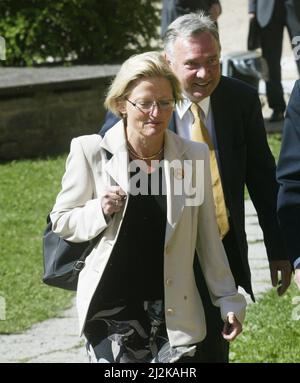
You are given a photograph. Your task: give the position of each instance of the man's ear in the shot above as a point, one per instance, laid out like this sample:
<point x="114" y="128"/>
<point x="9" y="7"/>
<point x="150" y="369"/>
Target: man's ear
<point x="167" y="58"/>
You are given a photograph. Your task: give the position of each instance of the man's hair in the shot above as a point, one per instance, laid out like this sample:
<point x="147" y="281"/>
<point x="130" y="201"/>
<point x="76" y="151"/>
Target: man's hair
<point x="148" y="64"/>
<point x="187" y="26"/>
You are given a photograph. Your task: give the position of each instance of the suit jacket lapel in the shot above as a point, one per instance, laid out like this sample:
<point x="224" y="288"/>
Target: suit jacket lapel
<point x="172" y="123"/>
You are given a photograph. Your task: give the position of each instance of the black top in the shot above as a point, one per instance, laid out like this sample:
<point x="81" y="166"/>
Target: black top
<point x="135" y="268"/>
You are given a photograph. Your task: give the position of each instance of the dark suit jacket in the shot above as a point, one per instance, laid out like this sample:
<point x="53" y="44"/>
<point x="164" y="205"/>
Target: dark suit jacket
<point x="288" y="174"/>
<point x="172" y="9"/>
<point x="264" y="9"/>
<point x="245" y="158"/>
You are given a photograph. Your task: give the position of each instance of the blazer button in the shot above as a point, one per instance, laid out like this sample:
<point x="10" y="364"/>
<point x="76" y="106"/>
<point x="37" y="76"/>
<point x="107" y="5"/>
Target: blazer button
<point x="169" y="282"/>
<point x="170" y="312"/>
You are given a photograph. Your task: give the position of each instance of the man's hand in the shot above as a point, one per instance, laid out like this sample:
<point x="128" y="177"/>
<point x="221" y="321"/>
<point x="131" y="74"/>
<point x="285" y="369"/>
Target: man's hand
<point x="286" y="272"/>
<point x="215" y="10"/>
<point x="297" y="276"/>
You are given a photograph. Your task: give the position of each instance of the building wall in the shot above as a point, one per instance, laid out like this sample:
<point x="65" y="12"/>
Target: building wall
<point x="40" y="119"/>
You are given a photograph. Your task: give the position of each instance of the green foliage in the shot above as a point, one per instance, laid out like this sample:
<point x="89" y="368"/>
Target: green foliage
<point x="78" y="31"/>
<point x="274" y="141"/>
<point x="271" y="330"/>
<point x="28" y="191"/>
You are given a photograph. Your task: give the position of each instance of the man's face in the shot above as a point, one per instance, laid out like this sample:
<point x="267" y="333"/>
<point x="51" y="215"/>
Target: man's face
<point x="195" y="61"/>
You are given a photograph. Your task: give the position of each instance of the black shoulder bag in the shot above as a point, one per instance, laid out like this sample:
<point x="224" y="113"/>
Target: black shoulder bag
<point x="63" y="260"/>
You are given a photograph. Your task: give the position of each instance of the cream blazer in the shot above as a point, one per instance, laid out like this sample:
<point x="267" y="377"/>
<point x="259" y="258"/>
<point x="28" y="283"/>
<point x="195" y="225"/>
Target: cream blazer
<point x="77" y="216"/>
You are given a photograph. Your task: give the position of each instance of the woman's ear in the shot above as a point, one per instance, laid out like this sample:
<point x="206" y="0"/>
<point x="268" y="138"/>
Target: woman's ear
<point x="122" y="107"/>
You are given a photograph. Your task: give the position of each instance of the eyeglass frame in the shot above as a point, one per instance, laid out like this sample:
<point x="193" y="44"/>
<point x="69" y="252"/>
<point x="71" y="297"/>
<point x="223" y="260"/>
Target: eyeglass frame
<point x="154" y="103"/>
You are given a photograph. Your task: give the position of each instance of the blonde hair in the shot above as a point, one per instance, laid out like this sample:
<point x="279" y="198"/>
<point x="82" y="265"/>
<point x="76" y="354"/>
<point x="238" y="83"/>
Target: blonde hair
<point x="148" y="64"/>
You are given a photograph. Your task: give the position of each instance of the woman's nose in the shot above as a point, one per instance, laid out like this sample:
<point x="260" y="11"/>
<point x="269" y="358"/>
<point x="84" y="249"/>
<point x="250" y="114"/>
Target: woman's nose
<point x="154" y="109"/>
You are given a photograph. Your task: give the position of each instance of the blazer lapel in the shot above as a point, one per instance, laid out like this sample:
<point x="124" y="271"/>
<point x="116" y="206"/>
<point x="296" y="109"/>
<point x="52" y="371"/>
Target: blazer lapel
<point x="117" y="167"/>
<point x="174" y="175"/>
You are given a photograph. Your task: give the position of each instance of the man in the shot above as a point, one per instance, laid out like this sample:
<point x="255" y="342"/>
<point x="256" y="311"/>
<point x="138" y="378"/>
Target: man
<point x="232" y="115"/>
<point x="272" y="16"/>
<point x="171" y="9"/>
<point x="288" y="174"/>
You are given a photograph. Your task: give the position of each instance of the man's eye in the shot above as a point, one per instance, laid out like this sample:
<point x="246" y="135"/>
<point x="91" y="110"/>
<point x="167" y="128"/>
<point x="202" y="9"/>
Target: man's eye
<point x="190" y="65"/>
<point x="213" y="61"/>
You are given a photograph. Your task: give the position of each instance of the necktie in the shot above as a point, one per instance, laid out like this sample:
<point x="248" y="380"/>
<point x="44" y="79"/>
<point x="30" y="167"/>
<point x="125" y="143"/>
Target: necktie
<point x="200" y="134"/>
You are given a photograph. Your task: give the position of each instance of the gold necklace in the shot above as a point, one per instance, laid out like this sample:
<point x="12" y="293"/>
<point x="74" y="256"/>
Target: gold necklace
<point x="134" y="153"/>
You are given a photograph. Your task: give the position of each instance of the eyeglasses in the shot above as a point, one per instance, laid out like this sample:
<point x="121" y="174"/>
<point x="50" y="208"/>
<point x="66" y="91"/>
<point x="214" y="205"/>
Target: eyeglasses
<point x="146" y="106"/>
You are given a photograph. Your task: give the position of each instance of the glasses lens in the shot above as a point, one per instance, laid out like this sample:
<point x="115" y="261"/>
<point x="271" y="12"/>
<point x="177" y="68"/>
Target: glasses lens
<point x="148" y="105"/>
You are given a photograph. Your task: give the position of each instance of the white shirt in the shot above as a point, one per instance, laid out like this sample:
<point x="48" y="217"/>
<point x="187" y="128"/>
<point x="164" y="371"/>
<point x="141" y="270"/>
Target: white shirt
<point x="185" y="119"/>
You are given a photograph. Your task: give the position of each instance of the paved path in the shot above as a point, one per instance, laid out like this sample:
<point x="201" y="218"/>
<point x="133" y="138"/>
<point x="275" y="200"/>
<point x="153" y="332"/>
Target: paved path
<point x="56" y="340"/>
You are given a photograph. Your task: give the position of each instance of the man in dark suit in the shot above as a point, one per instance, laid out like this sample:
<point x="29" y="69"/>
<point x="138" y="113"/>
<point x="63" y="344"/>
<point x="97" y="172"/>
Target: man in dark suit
<point x="272" y="16"/>
<point x="288" y="175"/>
<point x="171" y="9"/>
<point x="232" y="114"/>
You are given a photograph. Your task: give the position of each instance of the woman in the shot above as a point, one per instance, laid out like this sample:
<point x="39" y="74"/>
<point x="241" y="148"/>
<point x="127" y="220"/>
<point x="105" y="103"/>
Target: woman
<point x="137" y="298"/>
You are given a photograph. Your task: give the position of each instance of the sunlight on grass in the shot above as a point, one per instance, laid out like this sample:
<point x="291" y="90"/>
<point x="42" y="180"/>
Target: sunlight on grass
<point x="28" y="191"/>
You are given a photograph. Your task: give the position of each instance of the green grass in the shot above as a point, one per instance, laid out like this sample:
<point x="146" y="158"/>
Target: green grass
<point x="274" y="141"/>
<point x="271" y="330"/>
<point x="28" y="191"/>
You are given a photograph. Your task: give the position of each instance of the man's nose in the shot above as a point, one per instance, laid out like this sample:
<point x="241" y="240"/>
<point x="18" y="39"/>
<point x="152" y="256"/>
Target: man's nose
<point x="202" y="72"/>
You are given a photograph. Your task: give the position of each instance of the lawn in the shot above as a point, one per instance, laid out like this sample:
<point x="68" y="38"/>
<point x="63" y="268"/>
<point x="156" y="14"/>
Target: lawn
<point x="28" y="190"/>
<point x="274" y="141"/>
<point x="271" y="330"/>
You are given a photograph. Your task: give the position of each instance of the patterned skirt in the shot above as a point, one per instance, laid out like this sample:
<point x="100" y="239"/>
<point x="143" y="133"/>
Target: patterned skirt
<point x="132" y="333"/>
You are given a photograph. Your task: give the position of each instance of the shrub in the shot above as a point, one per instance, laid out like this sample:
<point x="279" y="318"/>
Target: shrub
<point x="76" y="31"/>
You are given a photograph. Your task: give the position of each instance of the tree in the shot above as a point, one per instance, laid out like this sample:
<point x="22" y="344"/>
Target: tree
<point x="76" y="31"/>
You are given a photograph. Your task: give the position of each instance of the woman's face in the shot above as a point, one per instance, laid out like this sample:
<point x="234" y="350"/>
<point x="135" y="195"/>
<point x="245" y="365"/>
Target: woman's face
<point x="154" y="101"/>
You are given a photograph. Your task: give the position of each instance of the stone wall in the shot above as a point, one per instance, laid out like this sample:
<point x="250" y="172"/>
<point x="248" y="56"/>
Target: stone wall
<point x="42" y="109"/>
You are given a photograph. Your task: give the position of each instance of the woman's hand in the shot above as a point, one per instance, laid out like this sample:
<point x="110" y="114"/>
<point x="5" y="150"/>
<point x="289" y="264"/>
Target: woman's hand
<point x="112" y="200"/>
<point x="232" y="328"/>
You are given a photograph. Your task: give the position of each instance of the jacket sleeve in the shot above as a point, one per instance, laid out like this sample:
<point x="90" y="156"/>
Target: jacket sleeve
<point x="77" y="215"/>
<point x="212" y="256"/>
<point x="261" y="180"/>
<point x="288" y="175"/>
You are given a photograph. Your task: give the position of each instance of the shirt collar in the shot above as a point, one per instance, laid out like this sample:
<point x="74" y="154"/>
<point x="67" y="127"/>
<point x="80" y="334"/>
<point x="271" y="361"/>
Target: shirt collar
<point x="183" y="106"/>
